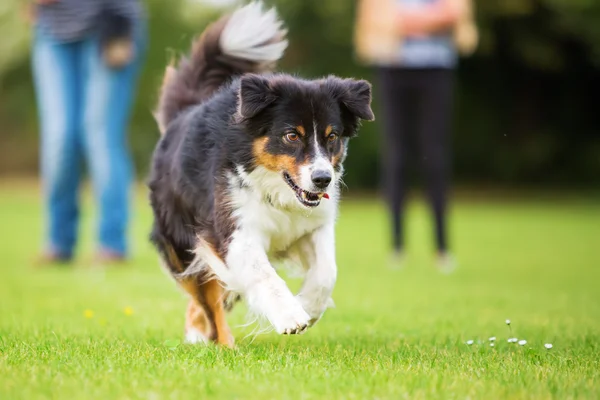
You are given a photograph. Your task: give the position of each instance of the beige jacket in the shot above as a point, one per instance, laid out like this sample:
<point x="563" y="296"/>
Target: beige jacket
<point x="377" y="36"/>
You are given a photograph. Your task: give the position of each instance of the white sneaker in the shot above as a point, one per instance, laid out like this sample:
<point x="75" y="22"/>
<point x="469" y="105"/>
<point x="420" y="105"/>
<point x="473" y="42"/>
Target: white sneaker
<point x="397" y="260"/>
<point x="446" y="264"/>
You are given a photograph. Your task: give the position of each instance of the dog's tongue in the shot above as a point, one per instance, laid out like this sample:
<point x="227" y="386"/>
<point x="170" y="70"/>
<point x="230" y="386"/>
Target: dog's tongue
<point x="325" y="195"/>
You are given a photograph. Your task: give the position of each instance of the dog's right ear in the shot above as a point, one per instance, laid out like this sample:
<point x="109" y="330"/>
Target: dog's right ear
<point x="255" y="95"/>
<point x="354" y="95"/>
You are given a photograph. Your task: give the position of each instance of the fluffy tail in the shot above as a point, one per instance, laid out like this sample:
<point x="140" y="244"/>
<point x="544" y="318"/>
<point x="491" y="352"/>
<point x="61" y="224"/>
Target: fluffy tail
<point x="249" y="40"/>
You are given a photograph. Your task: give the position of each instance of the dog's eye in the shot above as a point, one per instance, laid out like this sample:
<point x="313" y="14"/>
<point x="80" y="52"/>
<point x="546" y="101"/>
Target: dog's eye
<point x="332" y="137"/>
<point x="292" y="137"/>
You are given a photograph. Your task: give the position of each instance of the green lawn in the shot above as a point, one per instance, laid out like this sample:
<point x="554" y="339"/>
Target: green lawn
<point x="393" y="334"/>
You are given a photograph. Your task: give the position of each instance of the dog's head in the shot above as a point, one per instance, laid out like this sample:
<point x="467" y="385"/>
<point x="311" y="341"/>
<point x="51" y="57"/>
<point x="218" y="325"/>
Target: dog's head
<point x="301" y="128"/>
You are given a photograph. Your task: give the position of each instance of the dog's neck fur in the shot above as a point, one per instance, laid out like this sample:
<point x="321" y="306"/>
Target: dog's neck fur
<point x="282" y="220"/>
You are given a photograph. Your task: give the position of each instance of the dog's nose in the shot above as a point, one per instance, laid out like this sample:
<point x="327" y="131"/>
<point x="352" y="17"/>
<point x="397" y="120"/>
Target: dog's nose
<point x="321" y="178"/>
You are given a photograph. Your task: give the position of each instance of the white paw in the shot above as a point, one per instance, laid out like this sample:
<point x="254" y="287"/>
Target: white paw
<point x="194" y="336"/>
<point x="290" y="319"/>
<point x="315" y="307"/>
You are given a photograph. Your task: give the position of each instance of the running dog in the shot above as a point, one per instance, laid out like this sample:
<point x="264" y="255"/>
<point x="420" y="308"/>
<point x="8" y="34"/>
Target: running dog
<point x="247" y="170"/>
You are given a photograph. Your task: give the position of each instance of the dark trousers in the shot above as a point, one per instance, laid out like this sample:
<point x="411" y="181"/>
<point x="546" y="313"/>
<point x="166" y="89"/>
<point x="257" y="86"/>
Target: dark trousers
<point x="417" y="105"/>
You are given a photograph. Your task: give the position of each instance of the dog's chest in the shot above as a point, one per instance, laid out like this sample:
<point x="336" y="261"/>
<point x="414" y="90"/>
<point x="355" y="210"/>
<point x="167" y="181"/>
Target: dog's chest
<point x="288" y="228"/>
<point x="279" y="228"/>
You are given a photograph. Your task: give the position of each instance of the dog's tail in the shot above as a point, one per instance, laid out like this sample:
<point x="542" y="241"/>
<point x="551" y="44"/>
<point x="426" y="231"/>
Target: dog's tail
<point x="249" y="40"/>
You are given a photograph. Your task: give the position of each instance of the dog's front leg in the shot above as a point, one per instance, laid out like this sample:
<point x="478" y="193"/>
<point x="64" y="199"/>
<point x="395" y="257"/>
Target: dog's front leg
<point x="266" y="293"/>
<point x="318" y="255"/>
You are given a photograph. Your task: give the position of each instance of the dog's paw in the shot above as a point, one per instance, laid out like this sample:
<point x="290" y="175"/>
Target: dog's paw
<point x="315" y="308"/>
<point x="194" y="336"/>
<point x="290" y="320"/>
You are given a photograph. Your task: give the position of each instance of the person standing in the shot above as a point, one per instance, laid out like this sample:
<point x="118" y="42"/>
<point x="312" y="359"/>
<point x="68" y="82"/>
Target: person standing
<point x="86" y="57"/>
<point x="414" y="45"/>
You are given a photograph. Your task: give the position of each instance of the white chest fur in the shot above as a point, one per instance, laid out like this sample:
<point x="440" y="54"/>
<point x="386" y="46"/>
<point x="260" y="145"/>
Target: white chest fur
<point x="268" y="209"/>
<point x="269" y="219"/>
<point x="279" y="228"/>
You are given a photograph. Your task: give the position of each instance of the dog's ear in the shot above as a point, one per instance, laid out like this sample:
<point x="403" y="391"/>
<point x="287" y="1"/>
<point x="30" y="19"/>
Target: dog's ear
<point x="254" y="96"/>
<point x="354" y="95"/>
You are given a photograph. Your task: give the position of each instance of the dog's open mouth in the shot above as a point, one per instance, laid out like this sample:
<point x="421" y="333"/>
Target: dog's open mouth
<point x="308" y="199"/>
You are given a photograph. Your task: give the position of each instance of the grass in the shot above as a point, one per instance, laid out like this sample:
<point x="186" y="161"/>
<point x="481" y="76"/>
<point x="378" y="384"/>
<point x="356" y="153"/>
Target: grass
<point x="394" y="334"/>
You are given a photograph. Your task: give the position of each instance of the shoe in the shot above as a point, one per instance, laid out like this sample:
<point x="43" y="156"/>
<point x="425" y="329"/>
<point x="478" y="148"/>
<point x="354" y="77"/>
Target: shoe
<point x="110" y="257"/>
<point x="397" y="260"/>
<point x="446" y="263"/>
<point x="51" y="258"/>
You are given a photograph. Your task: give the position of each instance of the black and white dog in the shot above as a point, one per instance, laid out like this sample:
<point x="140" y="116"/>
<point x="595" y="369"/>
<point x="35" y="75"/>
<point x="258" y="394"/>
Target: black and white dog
<point x="247" y="170"/>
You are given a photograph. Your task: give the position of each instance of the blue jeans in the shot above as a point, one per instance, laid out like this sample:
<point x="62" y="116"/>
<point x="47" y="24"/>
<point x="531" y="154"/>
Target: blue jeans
<point x="84" y="109"/>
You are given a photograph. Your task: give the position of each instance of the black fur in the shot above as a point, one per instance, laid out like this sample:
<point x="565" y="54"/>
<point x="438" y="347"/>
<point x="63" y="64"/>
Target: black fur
<point x="207" y="140"/>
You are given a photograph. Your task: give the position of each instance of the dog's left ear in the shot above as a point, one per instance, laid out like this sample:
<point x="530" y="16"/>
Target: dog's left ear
<point x="354" y="95"/>
<point x="254" y="96"/>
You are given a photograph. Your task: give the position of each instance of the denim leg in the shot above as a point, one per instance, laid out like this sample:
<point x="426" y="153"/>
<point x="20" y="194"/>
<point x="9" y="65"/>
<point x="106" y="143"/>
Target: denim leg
<point x="57" y="86"/>
<point x="109" y="94"/>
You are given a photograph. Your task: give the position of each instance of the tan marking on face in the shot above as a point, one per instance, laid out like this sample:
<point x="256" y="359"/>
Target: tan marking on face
<point x="328" y="130"/>
<point x="301" y="130"/>
<point x="337" y="157"/>
<point x="272" y="162"/>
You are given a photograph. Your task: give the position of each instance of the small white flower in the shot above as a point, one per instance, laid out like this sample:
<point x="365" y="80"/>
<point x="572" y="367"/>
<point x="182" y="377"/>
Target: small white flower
<point x="522" y="342"/>
<point x="508" y="322"/>
<point x="548" y="346"/>
<point x="513" y="340"/>
<point x="493" y="338"/>
<point x="469" y="342"/>
<point x="491" y="344"/>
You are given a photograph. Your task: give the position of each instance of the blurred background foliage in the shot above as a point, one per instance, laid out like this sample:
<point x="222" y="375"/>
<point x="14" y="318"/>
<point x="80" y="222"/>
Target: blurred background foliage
<point x="527" y="102"/>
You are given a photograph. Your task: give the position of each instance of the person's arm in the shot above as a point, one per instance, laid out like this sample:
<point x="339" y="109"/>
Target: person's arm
<point x="430" y="19"/>
<point x="29" y="9"/>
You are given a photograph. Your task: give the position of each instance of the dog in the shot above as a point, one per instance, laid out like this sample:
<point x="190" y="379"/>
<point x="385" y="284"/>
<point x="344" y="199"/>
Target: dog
<point x="247" y="170"/>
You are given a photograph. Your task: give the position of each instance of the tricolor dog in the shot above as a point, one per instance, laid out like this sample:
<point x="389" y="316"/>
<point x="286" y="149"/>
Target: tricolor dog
<point x="247" y="170"/>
